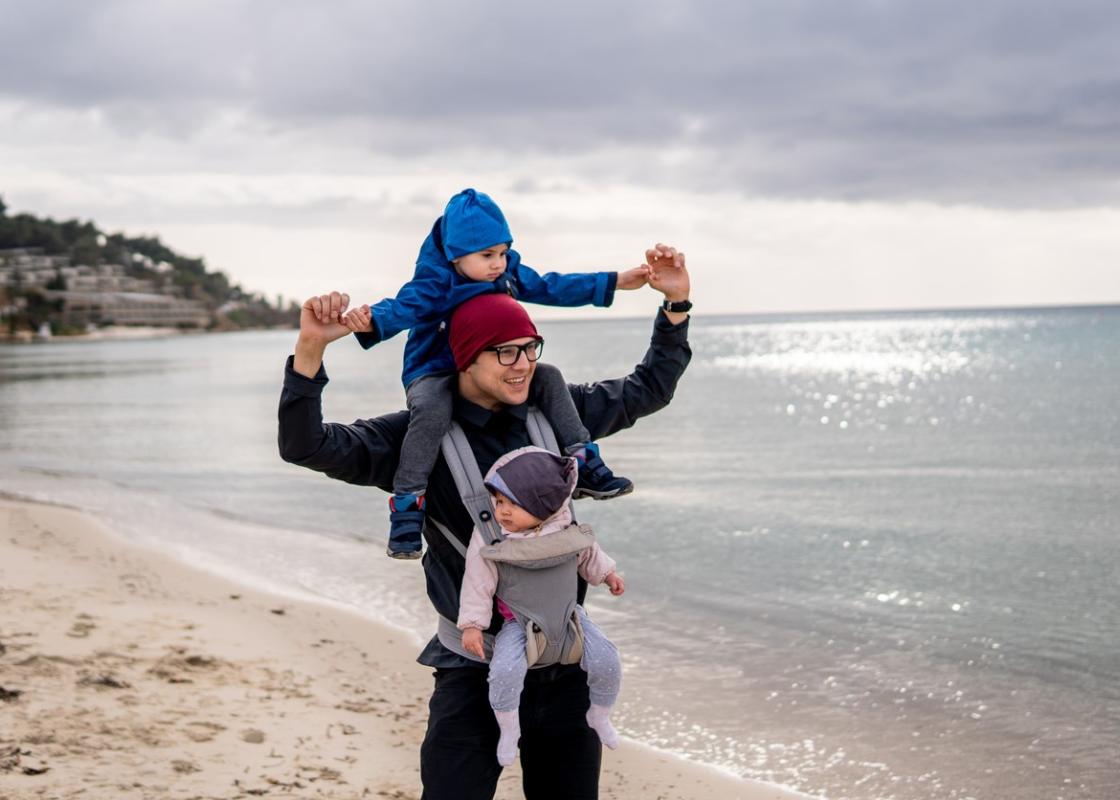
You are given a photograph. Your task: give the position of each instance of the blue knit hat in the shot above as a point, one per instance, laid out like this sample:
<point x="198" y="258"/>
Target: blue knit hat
<point x="472" y="222"/>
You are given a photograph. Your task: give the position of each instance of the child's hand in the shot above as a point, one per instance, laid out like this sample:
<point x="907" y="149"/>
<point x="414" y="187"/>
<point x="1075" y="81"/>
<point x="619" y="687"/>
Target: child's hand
<point x="615" y="583"/>
<point x="633" y="278"/>
<point x="472" y="642"/>
<point x="358" y="319"/>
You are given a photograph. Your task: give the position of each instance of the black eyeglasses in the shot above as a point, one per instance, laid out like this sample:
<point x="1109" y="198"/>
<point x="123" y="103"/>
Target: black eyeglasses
<point x="508" y="354"/>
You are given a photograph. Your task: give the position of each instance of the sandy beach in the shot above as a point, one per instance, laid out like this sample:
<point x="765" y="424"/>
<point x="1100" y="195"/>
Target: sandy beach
<point x="124" y="673"/>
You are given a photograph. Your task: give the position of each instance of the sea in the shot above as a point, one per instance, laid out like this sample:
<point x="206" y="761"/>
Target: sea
<point x="869" y="555"/>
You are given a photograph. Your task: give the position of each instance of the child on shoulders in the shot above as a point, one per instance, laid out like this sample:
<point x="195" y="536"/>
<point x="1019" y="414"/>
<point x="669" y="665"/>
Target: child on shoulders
<point x="468" y="253"/>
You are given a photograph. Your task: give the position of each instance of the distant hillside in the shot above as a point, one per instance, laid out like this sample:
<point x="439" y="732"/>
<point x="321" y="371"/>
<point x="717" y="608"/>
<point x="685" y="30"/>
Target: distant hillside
<point x="71" y="276"/>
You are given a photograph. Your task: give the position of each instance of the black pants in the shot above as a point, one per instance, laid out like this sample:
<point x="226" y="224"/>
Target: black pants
<point x="560" y="755"/>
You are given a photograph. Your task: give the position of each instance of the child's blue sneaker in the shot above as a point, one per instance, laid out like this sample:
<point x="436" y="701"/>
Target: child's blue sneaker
<point x="406" y="521"/>
<point x="595" y="478"/>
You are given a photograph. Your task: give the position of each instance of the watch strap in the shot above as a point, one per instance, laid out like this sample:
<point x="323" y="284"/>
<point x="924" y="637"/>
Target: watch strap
<point x="677" y="307"/>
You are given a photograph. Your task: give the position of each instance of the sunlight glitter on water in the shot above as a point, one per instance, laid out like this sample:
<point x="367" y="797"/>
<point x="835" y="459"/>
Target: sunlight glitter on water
<point x="884" y="350"/>
<point x="882" y="365"/>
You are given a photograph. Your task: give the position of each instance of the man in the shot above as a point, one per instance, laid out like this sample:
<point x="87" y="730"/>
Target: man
<point x="560" y="754"/>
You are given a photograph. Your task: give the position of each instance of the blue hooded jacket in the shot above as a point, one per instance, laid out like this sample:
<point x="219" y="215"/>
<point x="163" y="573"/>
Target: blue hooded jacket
<point x="423" y="306"/>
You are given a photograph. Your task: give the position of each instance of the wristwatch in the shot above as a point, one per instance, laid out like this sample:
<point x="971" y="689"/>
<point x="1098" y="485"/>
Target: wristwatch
<point x="678" y="307"/>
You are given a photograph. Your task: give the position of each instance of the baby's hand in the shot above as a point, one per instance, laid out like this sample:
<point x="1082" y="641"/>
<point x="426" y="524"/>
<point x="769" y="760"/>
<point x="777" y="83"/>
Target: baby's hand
<point x="358" y="319"/>
<point x="634" y="278"/>
<point x="472" y="642"/>
<point x="615" y="583"/>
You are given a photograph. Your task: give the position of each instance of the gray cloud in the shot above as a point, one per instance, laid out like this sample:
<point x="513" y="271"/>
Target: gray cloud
<point x="1008" y="103"/>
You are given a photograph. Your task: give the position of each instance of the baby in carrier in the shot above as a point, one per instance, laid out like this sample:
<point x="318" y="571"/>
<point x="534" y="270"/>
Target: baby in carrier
<point x="467" y="254"/>
<point x="531" y="489"/>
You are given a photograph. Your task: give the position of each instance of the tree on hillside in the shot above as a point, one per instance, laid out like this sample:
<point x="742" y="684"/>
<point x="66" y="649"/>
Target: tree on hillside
<point x="24" y="230"/>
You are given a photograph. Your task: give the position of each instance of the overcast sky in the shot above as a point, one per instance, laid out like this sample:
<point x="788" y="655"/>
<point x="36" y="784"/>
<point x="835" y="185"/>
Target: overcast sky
<point x="806" y="155"/>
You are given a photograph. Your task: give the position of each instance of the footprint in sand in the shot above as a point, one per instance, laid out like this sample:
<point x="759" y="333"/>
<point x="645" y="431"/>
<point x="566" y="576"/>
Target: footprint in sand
<point x="135" y="583"/>
<point x="202" y="731"/>
<point x="81" y="627"/>
<point x="175" y="666"/>
<point x="104" y="680"/>
<point x="252" y="736"/>
<point x="44" y="666"/>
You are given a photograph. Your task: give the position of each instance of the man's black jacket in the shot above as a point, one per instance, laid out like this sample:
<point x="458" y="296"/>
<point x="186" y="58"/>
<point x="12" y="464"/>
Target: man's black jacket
<point x="366" y="452"/>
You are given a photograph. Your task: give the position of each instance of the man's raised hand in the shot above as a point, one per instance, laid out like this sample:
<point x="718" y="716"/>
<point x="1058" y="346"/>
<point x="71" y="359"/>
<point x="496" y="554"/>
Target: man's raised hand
<point x="319" y="325"/>
<point x="667" y="272"/>
<point x="320" y="318"/>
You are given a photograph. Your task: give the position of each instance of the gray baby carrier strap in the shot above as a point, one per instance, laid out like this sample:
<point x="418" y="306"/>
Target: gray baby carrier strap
<point x="537" y="583"/>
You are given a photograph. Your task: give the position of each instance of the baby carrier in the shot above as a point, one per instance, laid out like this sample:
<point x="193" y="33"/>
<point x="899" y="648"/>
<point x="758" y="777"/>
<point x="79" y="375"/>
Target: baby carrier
<point x="537" y="577"/>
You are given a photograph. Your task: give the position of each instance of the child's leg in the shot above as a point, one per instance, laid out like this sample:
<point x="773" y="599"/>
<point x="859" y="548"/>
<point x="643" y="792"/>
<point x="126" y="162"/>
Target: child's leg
<point x="429" y="417"/>
<point x="507" y="678"/>
<point x="604" y="677"/>
<point x="550" y="393"/>
<point x="429" y="407"/>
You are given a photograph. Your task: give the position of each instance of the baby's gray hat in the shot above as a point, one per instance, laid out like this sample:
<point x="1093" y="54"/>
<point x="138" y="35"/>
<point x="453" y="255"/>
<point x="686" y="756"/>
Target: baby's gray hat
<point x="535" y="479"/>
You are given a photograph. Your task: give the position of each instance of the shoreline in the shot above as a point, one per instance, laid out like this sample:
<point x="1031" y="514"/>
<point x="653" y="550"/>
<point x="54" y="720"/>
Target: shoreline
<point x="108" y="334"/>
<point x="125" y="333"/>
<point x="195" y="684"/>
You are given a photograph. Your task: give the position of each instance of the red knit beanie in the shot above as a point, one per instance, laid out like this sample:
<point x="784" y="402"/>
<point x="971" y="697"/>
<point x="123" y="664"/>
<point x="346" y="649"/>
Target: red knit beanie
<point x="483" y="321"/>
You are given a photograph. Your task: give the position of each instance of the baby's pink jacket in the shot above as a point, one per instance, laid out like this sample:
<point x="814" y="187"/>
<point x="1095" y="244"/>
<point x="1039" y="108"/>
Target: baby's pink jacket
<point x="481" y="577"/>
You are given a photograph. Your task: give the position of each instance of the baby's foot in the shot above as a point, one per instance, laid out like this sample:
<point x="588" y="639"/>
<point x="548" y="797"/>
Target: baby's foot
<point x="599" y="719"/>
<point x="509" y="723"/>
